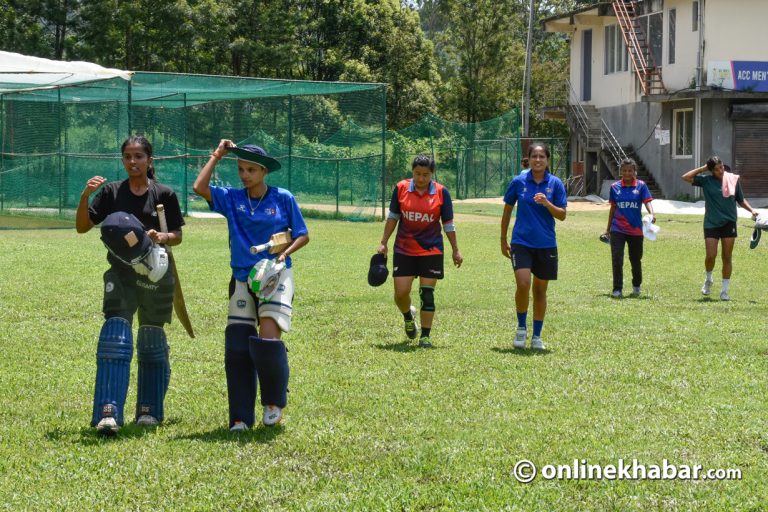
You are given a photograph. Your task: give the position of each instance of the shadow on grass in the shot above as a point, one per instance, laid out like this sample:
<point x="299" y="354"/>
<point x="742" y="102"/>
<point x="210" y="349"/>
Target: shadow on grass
<point x="89" y="436"/>
<point x="525" y="352"/>
<point x="401" y="346"/>
<point x="259" y="434"/>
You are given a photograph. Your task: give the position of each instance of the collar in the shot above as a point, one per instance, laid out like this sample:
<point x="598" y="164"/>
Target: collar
<point x="431" y="189"/>
<point x="633" y="185"/>
<point x="529" y="177"/>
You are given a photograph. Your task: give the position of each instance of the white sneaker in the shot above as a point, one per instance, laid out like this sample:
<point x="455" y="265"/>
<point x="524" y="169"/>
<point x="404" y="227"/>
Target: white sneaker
<point x="636" y="291"/>
<point x="239" y="426"/>
<point x="145" y="420"/>
<point x="724" y="295"/>
<point x="616" y="294"/>
<point x="707" y="288"/>
<point x="272" y="415"/>
<point x="520" y="336"/>
<point x="107" y="426"/>
<point x="537" y="343"/>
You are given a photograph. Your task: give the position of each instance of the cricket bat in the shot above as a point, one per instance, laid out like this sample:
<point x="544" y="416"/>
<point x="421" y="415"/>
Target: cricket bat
<point x="179" y="305"/>
<point x="277" y="243"/>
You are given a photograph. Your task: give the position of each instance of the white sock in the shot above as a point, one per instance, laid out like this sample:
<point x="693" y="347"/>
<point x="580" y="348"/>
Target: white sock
<point x="726" y="284"/>
<point x="709" y="276"/>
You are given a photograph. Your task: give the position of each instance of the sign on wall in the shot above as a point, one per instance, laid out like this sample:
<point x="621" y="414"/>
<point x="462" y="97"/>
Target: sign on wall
<point x="738" y="75"/>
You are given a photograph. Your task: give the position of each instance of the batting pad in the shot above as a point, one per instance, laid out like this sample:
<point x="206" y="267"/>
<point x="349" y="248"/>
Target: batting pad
<point x="241" y="375"/>
<point x="270" y="358"/>
<point x="154" y="371"/>
<point x="280" y="305"/>
<point x="113" y="368"/>
<point x="242" y="306"/>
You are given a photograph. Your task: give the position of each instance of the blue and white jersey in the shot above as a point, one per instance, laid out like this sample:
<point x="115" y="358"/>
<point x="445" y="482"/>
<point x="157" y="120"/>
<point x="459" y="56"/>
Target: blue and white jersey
<point x="534" y="225"/>
<point x="629" y="200"/>
<point x="253" y="222"/>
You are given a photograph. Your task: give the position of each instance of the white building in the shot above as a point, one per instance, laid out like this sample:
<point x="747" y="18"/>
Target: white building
<point x="669" y="82"/>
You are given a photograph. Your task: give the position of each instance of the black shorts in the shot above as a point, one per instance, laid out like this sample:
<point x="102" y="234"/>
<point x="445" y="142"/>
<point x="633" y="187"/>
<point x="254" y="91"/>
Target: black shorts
<point x="418" y="266"/>
<point x="125" y="292"/>
<point x="542" y="262"/>
<point x="727" y="230"/>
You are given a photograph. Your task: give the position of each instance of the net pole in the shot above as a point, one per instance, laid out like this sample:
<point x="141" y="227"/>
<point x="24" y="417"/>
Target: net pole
<point x="337" y="187"/>
<point x="58" y="153"/>
<point x="383" y="147"/>
<point x="185" y="159"/>
<point x="290" y="139"/>
<point x="2" y="152"/>
<point x="130" y="101"/>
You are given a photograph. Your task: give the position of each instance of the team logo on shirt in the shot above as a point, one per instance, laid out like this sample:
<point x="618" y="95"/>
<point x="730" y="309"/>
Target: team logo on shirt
<point x="636" y="192"/>
<point x="548" y="190"/>
<point x="270" y="211"/>
<point x="241" y="208"/>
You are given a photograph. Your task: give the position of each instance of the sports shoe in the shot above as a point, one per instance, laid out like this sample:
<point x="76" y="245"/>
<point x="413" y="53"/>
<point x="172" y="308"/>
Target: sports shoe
<point x="616" y="294"/>
<point x="724" y="295"/>
<point x="635" y="291"/>
<point x="411" y="328"/>
<point x="238" y="426"/>
<point x="272" y="415"/>
<point x="107" y="426"/>
<point x="424" y="342"/>
<point x="707" y="288"/>
<point x="521" y="334"/>
<point x="145" y="420"/>
<point x="537" y="343"/>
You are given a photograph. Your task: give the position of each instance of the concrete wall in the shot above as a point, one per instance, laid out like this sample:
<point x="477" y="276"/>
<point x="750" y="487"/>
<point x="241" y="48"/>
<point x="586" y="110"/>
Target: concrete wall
<point x="735" y="30"/>
<point x="634" y="123"/>
<point x="680" y="74"/>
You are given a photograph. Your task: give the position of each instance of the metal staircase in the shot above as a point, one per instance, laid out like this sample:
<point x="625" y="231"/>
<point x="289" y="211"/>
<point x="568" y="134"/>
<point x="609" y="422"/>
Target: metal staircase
<point x="648" y="73"/>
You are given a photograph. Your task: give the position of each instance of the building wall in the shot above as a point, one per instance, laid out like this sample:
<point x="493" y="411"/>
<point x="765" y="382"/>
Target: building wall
<point x="681" y="74"/>
<point x="735" y="33"/>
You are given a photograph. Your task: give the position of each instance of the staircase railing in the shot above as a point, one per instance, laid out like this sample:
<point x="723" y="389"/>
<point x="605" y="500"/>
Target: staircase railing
<point x="610" y="144"/>
<point x="647" y="71"/>
<point x="576" y="109"/>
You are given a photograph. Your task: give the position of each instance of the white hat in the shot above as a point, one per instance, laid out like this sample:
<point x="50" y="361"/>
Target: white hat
<point x="649" y="228"/>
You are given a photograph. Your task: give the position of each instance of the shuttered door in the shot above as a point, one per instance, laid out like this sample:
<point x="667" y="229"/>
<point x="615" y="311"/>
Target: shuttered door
<point x="750" y="149"/>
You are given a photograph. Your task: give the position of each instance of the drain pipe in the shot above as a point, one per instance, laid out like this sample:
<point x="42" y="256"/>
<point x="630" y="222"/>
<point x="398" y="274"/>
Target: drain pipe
<point x="697" y="149"/>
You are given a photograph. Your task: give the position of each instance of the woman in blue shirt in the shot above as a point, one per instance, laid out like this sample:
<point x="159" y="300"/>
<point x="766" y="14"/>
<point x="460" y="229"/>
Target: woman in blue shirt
<point x="254" y="213"/>
<point x="540" y="198"/>
<point x="625" y="225"/>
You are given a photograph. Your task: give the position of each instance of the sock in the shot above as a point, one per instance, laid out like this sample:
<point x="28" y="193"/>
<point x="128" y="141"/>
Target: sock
<point x="425" y="332"/>
<point x="537" y="326"/>
<point x="726" y="284"/>
<point x="521" y="318"/>
<point x="709" y="276"/>
<point x="407" y="315"/>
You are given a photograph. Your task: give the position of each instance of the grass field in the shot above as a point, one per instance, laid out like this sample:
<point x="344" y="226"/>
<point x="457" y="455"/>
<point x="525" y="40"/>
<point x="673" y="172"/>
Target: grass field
<point x="374" y="423"/>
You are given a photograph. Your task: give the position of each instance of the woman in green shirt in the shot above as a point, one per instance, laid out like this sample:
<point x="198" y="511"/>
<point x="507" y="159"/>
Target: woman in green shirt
<point x="719" y="219"/>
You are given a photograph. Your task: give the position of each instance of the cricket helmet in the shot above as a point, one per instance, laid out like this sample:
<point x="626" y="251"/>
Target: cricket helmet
<point x="264" y="278"/>
<point x="377" y="272"/>
<point x="124" y="236"/>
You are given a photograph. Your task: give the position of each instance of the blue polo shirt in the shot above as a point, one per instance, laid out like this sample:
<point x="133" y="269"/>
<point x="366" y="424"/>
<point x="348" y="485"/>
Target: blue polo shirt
<point x="534" y="225"/>
<point x="628" y="199"/>
<point x="254" y="222"/>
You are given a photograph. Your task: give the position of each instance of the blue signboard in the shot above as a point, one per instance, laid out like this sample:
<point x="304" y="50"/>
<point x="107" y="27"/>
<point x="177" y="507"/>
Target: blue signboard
<point x="738" y="75"/>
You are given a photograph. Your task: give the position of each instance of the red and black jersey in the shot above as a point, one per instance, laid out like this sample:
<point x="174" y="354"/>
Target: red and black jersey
<point x="420" y="215"/>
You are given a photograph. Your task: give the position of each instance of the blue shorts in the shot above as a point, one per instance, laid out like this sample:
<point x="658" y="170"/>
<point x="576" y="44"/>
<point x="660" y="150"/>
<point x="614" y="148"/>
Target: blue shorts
<point x="542" y="262"/>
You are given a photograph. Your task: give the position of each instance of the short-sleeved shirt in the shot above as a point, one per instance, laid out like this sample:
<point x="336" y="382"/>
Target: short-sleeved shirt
<point x="718" y="210"/>
<point x="418" y="231"/>
<point x="534" y="225"/>
<point x="628" y="199"/>
<point x="116" y="196"/>
<point x="253" y="222"/>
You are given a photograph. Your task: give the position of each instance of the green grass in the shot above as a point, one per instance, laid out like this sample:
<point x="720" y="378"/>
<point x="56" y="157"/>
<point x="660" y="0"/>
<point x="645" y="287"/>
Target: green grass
<point x="374" y="423"/>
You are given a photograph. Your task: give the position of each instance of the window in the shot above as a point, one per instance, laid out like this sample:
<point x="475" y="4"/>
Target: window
<point x="683" y="133"/>
<point x="616" y="58"/>
<point x="672" y="19"/>
<point x="695" y="20"/>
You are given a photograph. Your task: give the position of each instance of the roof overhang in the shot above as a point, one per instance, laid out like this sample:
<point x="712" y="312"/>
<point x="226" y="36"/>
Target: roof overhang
<point x="706" y="93"/>
<point x="589" y="15"/>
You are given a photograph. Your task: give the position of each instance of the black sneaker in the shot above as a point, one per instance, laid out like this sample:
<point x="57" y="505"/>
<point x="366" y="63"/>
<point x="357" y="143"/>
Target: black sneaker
<point x="411" y="328"/>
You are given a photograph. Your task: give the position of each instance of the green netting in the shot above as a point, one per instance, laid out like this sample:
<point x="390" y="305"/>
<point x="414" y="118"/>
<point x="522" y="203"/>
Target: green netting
<point x="473" y="159"/>
<point x="329" y="137"/>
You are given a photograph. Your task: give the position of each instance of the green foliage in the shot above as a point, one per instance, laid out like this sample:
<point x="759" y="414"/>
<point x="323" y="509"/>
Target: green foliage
<point x="374" y="423"/>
